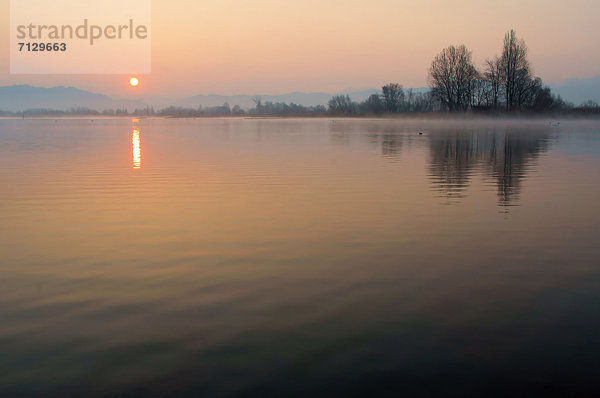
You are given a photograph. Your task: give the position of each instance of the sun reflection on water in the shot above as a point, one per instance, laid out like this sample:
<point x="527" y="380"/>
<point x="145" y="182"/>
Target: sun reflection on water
<point x="137" y="149"/>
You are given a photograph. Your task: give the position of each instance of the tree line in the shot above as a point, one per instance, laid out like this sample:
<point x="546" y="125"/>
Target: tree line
<point x="505" y="83"/>
<point x="393" y="99"/>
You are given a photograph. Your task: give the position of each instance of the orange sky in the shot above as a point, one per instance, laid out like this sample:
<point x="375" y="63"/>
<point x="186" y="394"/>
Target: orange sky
<point x="275" y="46"/>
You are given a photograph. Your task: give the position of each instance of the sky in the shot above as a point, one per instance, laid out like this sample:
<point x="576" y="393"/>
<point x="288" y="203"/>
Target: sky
<point x="274" y="47"/>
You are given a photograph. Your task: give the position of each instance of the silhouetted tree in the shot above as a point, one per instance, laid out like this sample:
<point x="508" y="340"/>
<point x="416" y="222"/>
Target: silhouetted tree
<point x="481" y="93"/>
<point x="451" y="75"/>
<point x="492" y="73"/>
<point x="590" y="104"/>
<point x="422" y="102"/>
<point x="341" y="104"/>
<point x="237" y="111"/>
<point x="374" y="105"/>
<point x="515" y="71"/>
<point x="392" y="96"/>
<point x="257" y="102"/>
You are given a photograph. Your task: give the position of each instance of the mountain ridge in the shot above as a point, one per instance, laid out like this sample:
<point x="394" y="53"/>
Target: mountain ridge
<point x="21" y="97"/>
<point x="17" y="98"/>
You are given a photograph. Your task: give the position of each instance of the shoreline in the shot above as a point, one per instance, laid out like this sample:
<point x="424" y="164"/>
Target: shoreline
<point x="419" y="117"/>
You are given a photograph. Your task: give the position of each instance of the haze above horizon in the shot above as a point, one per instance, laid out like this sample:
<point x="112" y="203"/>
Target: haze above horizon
<point x="230" y="47"/>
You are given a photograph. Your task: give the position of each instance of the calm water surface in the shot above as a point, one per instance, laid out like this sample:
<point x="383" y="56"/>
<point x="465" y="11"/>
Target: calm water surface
<point x="231" y="257"/>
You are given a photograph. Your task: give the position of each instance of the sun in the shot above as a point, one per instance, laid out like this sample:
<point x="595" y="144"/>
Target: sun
<point x="134" y="81"/>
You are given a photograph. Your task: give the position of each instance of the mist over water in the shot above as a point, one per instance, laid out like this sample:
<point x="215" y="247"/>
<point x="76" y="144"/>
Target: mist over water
<point x="309" y="257"/>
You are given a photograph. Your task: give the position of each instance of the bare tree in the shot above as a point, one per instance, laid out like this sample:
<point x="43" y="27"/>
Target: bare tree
<point x="393" y="96"/>
<point x="374" y="105"/>
<point x="423" y="102"/>
<point x="341" y="104"/>
<point x="451" y="75"/>
<point x="481" y="93"/>
<point x="515" y="70"/>
<point x="493" y="71"/>
<point x="257" y="103"/>
<point x="410" y="99"/>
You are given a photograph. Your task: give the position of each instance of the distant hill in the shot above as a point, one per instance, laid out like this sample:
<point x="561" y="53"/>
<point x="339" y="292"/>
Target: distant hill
<point x="22" y="97"/>
<point x="576" y="91"/>
<point x="306" y="99"/>
<point x="245" y="101"/>
<point x="579" y="90"/>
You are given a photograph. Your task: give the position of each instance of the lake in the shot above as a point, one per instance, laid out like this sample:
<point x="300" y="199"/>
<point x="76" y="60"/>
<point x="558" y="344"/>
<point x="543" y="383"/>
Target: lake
<point x="299" y="257"/>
